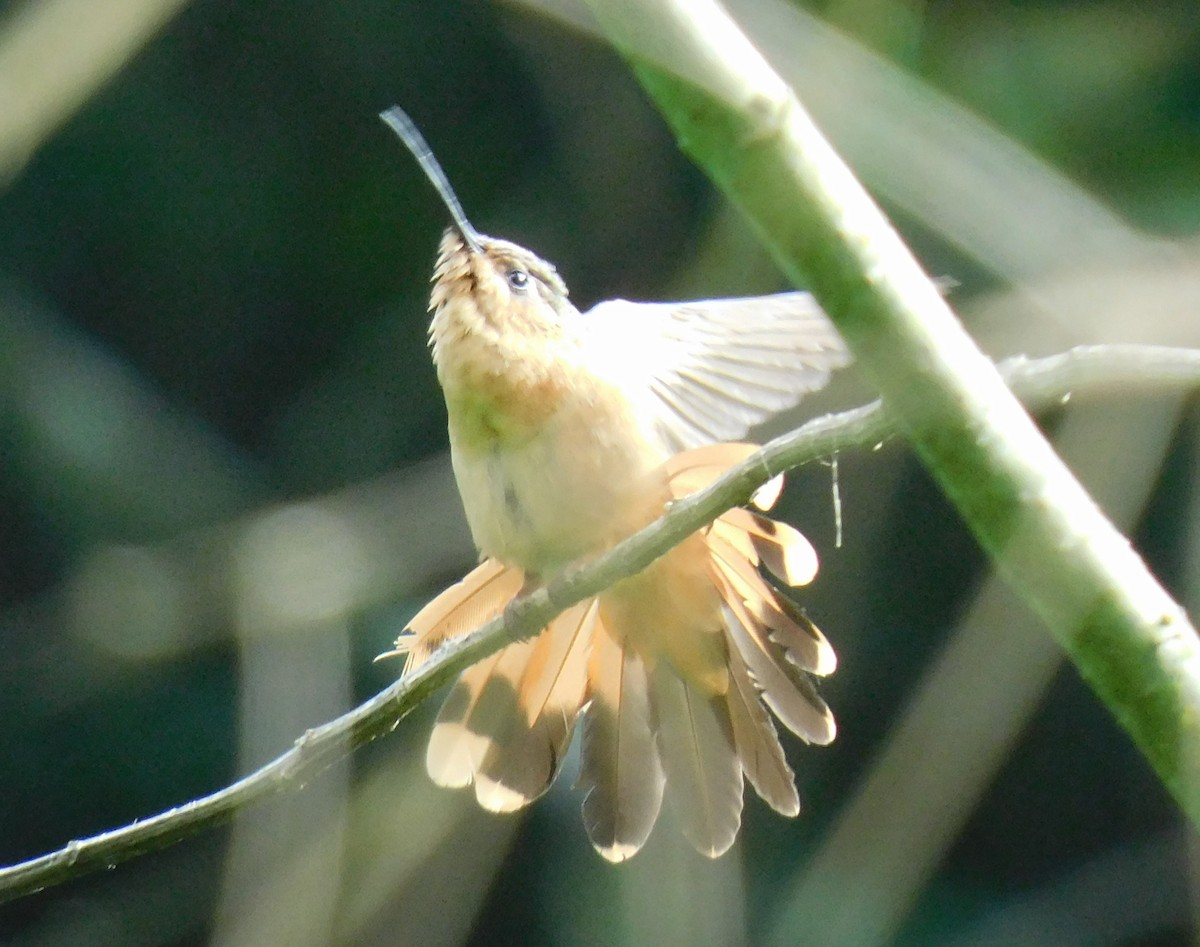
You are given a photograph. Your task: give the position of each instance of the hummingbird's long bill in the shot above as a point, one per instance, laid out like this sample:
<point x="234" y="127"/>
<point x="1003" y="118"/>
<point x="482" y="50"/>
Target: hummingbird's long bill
<point x="398" y="121"/>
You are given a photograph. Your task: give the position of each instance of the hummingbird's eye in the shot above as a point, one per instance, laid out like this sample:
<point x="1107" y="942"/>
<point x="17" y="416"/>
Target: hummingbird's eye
<point x="518" y="280"/>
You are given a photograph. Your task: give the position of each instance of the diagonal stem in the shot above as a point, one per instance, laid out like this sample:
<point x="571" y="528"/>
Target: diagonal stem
<point x="1043" y="382"/>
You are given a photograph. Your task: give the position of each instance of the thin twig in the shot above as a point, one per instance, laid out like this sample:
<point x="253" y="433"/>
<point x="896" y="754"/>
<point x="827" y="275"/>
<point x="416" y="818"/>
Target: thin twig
<point x="1041" y="382"/>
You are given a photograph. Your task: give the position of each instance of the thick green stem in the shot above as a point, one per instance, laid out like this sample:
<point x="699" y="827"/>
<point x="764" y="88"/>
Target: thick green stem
<point x="741" y="123"/>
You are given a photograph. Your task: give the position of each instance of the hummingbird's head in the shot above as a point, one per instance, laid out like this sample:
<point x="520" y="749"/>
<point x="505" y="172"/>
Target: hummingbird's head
<point x="481" y="283"/>
<point x="508" y="288"/>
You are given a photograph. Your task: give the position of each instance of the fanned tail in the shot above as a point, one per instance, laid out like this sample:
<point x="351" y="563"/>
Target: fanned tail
<point x="715" y="639"/>
<point x="674" y="666"/>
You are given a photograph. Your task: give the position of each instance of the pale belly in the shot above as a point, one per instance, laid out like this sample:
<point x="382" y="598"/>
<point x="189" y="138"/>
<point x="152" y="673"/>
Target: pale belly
<point x="571" y="490"/>
<point x="586" y="480"/>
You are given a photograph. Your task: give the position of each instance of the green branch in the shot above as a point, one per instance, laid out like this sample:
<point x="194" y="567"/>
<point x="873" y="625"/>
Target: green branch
<point x="742" y="124"/>
<point x="1044" y="382"/>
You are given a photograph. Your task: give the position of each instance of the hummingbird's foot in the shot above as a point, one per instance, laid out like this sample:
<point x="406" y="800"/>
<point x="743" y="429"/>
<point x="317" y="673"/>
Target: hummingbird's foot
<point x="512" y="611"/>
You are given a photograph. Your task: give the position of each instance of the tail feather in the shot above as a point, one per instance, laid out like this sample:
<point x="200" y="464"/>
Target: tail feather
<point x="702" y="460"/>
<point x="704" y="775"/>
<point x="531" y="727"/>
<point x="506" y="723"/>
<point x="785" y="551"/>
<point x="477" y="598"/>
<point x="695" y="469"/>
<point x="786" y="690"/>
<point x="757" y="743"/>
<point x="456" y="748"/>
<point x="621" y="769"/>
<point x="773" y="614"/>
<point x="792" y="630"/>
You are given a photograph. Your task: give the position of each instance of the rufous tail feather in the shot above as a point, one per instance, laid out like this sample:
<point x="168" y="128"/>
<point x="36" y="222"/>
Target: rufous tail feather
<point x="620" y="770"/>
<point x="700" y="759"/>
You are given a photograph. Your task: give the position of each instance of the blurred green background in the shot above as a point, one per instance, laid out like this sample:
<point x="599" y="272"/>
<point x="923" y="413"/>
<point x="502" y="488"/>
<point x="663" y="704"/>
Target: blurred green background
<point x="223" y="485"/>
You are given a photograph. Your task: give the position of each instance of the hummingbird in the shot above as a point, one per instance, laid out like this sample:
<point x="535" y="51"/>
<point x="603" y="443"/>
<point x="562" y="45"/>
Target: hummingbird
<point x="569" y="431"/>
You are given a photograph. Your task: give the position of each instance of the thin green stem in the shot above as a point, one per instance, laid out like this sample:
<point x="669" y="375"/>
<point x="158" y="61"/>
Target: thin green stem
<point x="1043" y="381"/>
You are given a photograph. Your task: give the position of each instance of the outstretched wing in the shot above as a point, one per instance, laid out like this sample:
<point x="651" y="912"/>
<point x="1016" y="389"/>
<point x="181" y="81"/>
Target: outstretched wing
<point x="709" y="370"/>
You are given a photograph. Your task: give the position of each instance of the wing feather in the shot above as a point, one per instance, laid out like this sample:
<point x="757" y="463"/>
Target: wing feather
<point x="711" y="369"/>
